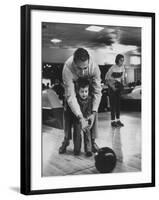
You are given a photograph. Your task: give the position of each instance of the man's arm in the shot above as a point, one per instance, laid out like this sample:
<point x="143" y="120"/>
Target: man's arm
<point x="70" y="91"/>
<point x="96" y="85"/>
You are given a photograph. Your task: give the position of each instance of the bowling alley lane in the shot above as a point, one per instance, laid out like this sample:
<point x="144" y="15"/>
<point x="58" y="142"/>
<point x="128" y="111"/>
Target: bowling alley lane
<point x="125" y="141"/>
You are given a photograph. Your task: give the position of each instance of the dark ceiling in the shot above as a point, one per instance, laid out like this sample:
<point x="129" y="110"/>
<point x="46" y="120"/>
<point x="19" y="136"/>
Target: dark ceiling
<point x="75" y="35"/>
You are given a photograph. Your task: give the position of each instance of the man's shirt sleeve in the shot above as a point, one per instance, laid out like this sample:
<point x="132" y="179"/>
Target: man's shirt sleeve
<point x="70" y="94"/>
<point x="96" y="84"/>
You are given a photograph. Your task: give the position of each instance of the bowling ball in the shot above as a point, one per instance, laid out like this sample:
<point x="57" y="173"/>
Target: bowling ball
<point x="105" y="160"/>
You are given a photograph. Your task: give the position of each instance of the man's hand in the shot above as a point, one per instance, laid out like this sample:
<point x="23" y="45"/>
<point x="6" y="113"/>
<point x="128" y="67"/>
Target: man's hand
<point x="91" y="119"/>
<point x="84" y="123"/>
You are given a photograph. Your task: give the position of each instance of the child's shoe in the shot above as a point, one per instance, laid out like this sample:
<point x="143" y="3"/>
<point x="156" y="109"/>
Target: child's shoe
<point x="63" y="147"/>
<point x="94" y="147"/>
<point x="88" y="153"/>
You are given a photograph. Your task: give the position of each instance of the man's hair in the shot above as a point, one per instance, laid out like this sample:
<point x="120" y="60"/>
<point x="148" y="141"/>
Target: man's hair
<point x="118" y="57"/>
<point x="82" y="82"/>
<point x="81" y="55"/>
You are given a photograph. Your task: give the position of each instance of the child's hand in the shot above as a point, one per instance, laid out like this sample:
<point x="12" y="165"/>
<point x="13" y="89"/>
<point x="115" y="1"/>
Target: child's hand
<point x="84" y="123"/>
<point x="87" y="128"/>
<point x="91" y="120"/>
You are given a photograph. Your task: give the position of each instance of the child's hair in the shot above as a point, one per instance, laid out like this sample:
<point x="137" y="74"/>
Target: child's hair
<point x="82" y="82"/>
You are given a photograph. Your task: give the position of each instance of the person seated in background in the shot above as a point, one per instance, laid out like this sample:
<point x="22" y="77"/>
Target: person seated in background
<point x="115" y="80"/>
<point x="85" y="103"/>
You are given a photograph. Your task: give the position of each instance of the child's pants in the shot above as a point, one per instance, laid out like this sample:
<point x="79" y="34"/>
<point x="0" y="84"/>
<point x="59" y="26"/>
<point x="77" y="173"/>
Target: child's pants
<point x="68" y="123"/>
<point x="77" y="138"/>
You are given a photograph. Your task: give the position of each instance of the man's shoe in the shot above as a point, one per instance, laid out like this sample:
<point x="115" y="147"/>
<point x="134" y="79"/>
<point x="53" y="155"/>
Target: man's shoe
<point x="119" y="123"/>
<point x="63" y="147"/>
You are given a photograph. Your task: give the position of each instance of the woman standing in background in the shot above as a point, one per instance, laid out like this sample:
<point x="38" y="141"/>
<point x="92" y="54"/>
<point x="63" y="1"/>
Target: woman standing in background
<point x="115" y="80"/>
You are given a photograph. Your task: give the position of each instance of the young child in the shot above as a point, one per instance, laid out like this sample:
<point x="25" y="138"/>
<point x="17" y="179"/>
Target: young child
<point x="85" y="102"/>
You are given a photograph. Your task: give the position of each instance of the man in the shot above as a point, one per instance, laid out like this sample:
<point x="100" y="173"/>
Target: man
<point x="80" y="65"/>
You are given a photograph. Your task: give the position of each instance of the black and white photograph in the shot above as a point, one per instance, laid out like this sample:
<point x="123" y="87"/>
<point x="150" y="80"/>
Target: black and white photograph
<point x="89" y="99"/>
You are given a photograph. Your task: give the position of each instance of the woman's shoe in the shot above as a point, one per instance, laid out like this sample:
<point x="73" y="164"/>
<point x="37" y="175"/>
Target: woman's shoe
<point x="114" y="124"/>
<point x="119" y="123"/>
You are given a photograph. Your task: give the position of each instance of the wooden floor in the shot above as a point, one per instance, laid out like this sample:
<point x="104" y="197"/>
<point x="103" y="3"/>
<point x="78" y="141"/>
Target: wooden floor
<point x="125" y="141"/>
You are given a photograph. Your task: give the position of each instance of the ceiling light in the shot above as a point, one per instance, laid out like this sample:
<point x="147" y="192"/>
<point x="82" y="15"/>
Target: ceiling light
<point x="55" y="40"/>
<point x="120" y="48"/>
<point x="94" y="28"/>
